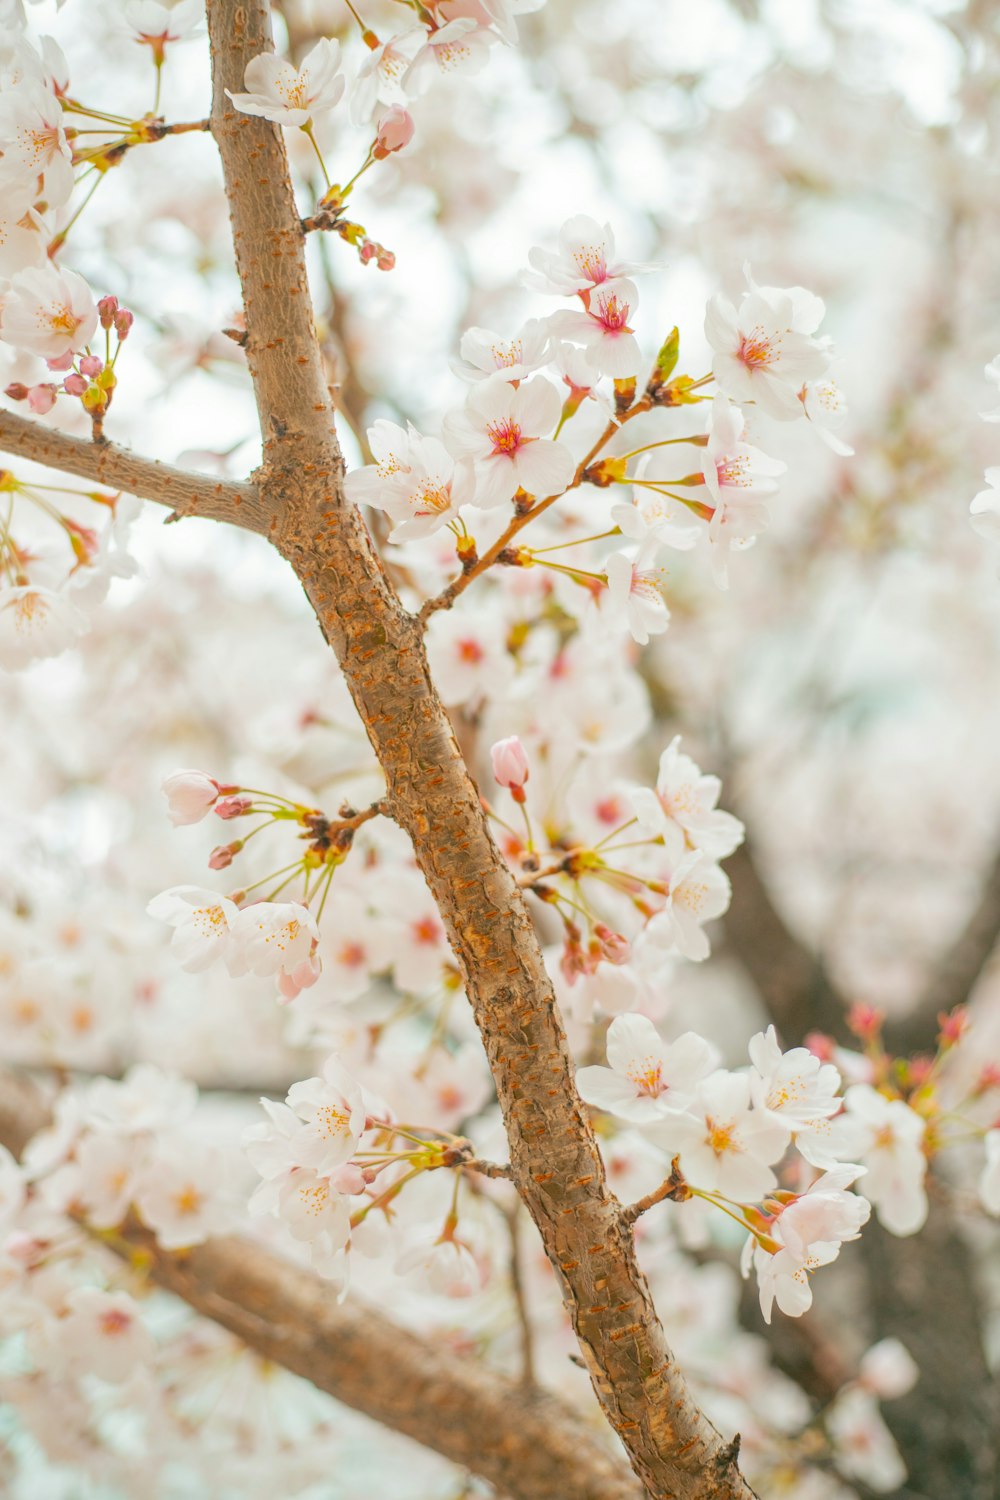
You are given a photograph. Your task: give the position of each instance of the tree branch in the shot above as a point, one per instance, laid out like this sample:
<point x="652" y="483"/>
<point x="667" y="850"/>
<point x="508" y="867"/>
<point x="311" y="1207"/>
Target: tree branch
<point x="185" y="493"/>
<point x="530" y="1445"/>
<point x="556" y="1163"/>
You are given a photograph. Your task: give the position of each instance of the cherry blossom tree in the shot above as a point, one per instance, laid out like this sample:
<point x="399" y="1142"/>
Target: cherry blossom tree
<point x="579" y="1058"/>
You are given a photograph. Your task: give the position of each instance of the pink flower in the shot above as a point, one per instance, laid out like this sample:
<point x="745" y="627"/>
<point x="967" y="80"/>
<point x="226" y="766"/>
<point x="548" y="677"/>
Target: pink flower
<point x="610" y="345"/>
<point x="585" y="259"/>
<point x="501" y="430"/>
<point x="393" y="131"/>
<point x="510" y="763"/>
<point x="190" y="795"/>
<point x="42" y="398"/>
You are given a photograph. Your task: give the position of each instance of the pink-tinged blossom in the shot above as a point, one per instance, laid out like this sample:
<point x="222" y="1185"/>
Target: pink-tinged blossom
<point x="510" y="763"/>
<point x="647" y="1078"/>
<point x="862" y="1444"/>
<point x="394" y="132"/>
<point x="157" y="23"/>
<point x="783" y="1277"/>
<point x="416" y="941"/>
<point x="103" y="1334"/>
<point x="278" y="91"/>
<point x="36" y="622"/>
<point x="766" y="352"/>
<point x="733" y="468"/>
<point x="502" y="430"/>
<point x="989" y="1181"/>
<point x="682" y="810"/>
<point x="603" y="329"/>
<point x="468" y="656"/>
<point x="485" y="354"/>
<point x="49" y="312"/>
<point x="887" y="1136"/>
<point x="460" y="45"/>
<point x="179" y="1194"/>
<point x="825" y="1213"/>
<point x="657" y="518"/>
<point x="269" y="936"/>
<point x="36" y="160"/>
<point x="202" y="921"/>
<point x="985" y="509"/>
<point x="635" y="591"/>
<point x="107" y="1168"/>
<point x="799" y="1091"/>
<point x="190" y="795"/>
<point x="724" y="1145"/>
<point x="584" y="260"/>
<point x="698" y="892"/>
<point x="147" y="1099"/>
<point x="415" y="481"/>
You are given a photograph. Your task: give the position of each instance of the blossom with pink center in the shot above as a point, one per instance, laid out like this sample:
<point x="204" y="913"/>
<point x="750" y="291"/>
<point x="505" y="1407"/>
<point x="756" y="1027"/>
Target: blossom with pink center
<point x="609" y="343"/>
<point x="468" y="655"/>
<point x="107" y="1168"/>
<point x="190" y="795"/>
<point x="35" y="158"/>
<point x="416" y="940"/>
<point x="460" y="45"/>
<point x="826" y="408"/>
<point x="766" y="352"/>
<point x="698" y="892"/>
<point x="682" y="810"/>
<point x="278" y="91"/>
<point x="203" y="924"/>
<point x="825" y="1213"/>
<point x="724" y="1145"/>
<point x="502" y="431"/>
<point x="103" y="1334"/>
<point x="635" y="591"/>
<point x="647" y="1078"/>
<point x="799" y="1090"/>
<point x="157" y="23"/>
<point x="732" y="464"/>
<point x="49" y="312"/>
<point x="380" y="76"/>
<point x="485" y="354"/>
<point x="584" y="260"/>
<point x="36" y="622"/>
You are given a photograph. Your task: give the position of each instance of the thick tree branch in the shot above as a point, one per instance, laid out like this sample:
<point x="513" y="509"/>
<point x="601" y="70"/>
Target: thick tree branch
<point x="528" y="1444"/>
<point x="556" y="1162"/>
<point x="185" y="493"/>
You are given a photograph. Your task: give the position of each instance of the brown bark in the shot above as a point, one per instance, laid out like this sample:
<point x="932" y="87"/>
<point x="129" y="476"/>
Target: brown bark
<point x="524" y="1441"/>
<point x="556" y="1163"/>
<point x="184" y="493"/>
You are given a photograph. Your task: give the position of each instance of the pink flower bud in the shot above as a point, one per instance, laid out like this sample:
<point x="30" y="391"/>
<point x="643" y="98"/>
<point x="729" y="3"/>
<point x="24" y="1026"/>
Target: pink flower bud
<point x="107" y="307"/>
<point x="367" y="251"/>
<point x="91" y="365"/>
<point x="222" y="857"/>
<point x="64" y="362"/>
<point x="74" y="385"/>
<point x="821" y="1046"/>
<point x="393" y="131"/>
<point x="123" y="322"/>
<point x="302" y="977"/>
<point x="954" y="1024"/>
<point x="613" y="945"/>
<point x="348" y="1179"/>
<point x="386" y="260"/>
<point x="16" y="391"/>
<point x="510" y="763"/>
<point x="233" y="807"/>
<point x="190" y="796"/>
<point x="42" y="398"/>
<point x="865" y="1022"/>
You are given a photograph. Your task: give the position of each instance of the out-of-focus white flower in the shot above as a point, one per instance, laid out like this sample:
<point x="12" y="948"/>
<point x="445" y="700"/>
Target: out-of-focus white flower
<point x="103" y="1334"/>
<point x="887" y="1136"/>
<point x="49" y="312"/>
<point x="179" y="1194"/>
<point x="447" y="1267"/>
<point x="12" y="1189"/>
<point x="862" y="1444"/>
<point x="888" y="1370"/>
<point x="826" y="408"/>
<point x="36" y="622"/>
<point x="585" y="259"/>
<point x="278" y="91"/>
<point x="147" y="1098"/>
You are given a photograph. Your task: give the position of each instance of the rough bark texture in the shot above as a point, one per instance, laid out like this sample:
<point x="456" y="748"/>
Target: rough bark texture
<point x="184" y="493"/>
<point x="522" y="1440"/>
<point x="557" y="1166"/>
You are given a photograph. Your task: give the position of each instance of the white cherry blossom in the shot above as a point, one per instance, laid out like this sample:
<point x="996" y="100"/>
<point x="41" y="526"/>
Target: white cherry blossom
<point x="647" y="1078"/>
<point x="699" y="891"/>
<point x="417" y="483"/>
<point x="603" y="329"/>
<point x="585" y="259"/>
<point x="784" y="1277"/>
<point x="765" y="351"/>
<point x="179" y="1194"/>
<point x="503" y="431"/>
<point x="826" y="1213"/>
<point x="278" y="91"/>
<point x="460" y="45"/>
<point x="486" y="354"/>
<point x="37" y="622"/>
<point x="797" y="1090"/>
<point x="269" y="936"/>
<point x="733" y="468"/>
<point x="887" y="1136"/>
<point x="724" y="1145"/>
<point x="48" y="311"/>
<point x="682" y="810"/>
<point x="635" y="591"/>
<point x="333" y="1112"/>
<point x="36" y="160"/>
<point x="203" y="923"/>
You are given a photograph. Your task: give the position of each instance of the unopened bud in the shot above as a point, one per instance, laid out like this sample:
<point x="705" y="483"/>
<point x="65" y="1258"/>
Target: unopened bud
<point x="91" y="365"/>
<point x="107" y="307"/>
<point x="393" y="131"/>
<point x="222" y="857"/>
<point x="74" y="385"/>
<point x="42" y="398"/>
<point x="16" y="391"/>
<point x="123" y="322"/>
<point x="233" y="807"/>
<point x="510" y="766"/>
<point x="614" y="946"/>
